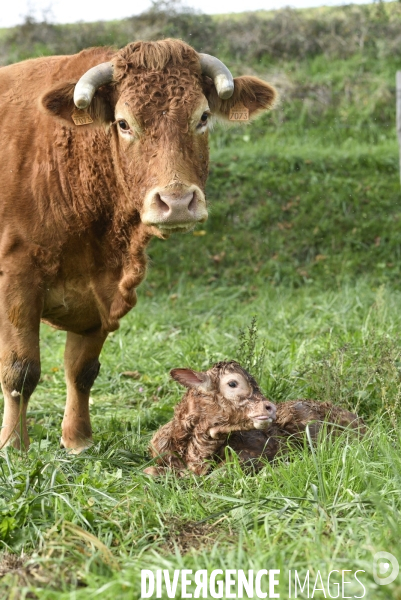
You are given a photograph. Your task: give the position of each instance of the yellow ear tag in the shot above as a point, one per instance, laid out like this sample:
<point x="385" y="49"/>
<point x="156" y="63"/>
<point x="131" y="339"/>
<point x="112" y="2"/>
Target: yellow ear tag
<point x="81" y="117"/>
<point x="239" y="112"/>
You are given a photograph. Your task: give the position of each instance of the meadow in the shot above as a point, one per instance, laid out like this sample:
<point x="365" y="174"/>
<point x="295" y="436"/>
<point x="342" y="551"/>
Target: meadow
<point x="296" y="273"/>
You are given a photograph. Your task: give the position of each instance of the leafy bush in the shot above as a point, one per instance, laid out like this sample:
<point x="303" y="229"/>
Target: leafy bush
<point x="285" y="34"/>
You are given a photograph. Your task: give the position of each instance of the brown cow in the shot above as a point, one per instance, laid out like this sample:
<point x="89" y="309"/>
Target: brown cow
<point x="225" y="407"/>
<point x="83" y="189"/>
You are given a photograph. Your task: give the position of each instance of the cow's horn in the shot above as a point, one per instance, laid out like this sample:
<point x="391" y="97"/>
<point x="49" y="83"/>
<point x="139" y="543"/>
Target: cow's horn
<point x="223" y="80"/>
<point x="90" y="82"/>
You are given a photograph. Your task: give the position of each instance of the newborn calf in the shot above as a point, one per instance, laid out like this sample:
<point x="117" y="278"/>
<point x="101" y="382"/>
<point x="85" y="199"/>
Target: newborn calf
<point x="225" y="407"/>
<point x="219" y="401"/>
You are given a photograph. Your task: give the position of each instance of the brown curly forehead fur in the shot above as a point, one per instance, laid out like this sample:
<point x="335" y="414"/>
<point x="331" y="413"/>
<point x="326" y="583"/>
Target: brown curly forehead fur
<point x="231" y="366"/>
<point x="155" y="56"/>
<point x="159" y="80"/>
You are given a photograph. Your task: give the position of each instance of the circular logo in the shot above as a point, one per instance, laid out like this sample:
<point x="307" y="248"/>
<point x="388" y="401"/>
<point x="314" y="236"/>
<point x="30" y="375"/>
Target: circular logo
<point x="385" y="568"/>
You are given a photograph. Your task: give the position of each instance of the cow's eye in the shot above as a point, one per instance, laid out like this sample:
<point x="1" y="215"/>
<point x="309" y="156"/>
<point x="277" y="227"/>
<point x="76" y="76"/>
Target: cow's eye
<point x="203" y="120"/>
<point x="123" y="125"/>
<point x="232" y="384"/>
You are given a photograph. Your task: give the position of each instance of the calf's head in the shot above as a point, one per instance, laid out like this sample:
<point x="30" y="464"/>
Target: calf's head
<point x="234" y="387"/>
<point x="158" y="101"/>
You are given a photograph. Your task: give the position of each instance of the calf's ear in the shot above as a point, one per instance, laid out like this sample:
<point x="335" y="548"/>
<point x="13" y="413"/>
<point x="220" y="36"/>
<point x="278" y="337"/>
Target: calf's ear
<point x="59" y="102"/>
<point x="250" y="92"/>
<point x="191" y="379"/>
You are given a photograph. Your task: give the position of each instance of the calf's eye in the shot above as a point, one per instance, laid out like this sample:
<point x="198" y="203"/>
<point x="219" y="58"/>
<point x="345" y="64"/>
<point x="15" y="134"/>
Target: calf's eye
<point x="232" y="384"/>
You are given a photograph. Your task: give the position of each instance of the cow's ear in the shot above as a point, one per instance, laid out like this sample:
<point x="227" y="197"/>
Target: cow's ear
<point x="249" y="92"/>
<point x="59" y="102"/>
<point x="191" y="379"/>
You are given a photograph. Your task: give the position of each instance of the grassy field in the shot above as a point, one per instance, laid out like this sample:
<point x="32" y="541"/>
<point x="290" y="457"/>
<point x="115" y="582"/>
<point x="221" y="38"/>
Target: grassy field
<point x="304" y="235"/>
<point x="96" y="520"/>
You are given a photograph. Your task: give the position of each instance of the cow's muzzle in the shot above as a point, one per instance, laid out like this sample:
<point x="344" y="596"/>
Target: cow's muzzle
<point x="174" y="210"/>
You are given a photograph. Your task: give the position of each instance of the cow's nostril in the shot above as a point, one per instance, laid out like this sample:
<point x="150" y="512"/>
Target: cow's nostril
<point x="192" y="203"/>
<point x="269" y="408"/>
<point x="161" y="205"/>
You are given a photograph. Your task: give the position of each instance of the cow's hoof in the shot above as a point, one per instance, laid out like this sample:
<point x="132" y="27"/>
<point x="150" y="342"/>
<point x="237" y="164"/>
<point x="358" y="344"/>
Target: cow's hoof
<point x="77" y="447"/>
<point x="13" y="440"/>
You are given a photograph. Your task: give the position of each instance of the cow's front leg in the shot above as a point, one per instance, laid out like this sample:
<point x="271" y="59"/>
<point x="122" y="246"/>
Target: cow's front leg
<point x="19" y="370"/>
<point x="81" y="360"/>
<point x="20" y="373"/>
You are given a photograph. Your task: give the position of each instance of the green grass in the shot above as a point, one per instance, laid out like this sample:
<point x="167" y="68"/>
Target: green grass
<point x="329" y="510"/>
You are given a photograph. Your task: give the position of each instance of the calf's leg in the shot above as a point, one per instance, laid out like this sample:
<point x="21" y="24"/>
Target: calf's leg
<point x="81" y="361"/>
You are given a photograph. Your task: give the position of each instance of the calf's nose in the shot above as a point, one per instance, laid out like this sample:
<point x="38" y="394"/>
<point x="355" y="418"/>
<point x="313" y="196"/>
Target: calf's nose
<point x="271" y="410"/>
<point x="265" y="414"/>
